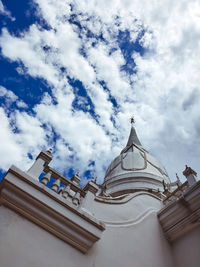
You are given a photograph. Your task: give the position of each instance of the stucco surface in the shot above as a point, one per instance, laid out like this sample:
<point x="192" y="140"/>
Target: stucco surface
<point x="186" y="249"/>
<point x="138" y="206"/>
<point x="134" y="244"/>
<point x="24" y="244"/>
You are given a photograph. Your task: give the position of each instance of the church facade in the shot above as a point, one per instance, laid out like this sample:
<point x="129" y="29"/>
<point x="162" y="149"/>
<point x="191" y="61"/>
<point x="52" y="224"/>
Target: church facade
<point x="136" y="218"/>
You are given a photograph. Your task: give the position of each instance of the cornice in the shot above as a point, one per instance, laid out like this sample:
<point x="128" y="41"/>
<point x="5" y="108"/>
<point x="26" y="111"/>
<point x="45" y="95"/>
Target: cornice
<point x="122" y="199"/>
<point x="47" y="209"/>
<point x="182" y="214"/>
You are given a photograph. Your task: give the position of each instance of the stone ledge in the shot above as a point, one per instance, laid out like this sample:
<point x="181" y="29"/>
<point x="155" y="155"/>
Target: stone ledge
<point x="47" y="209"/>
<point x="182" y="214"/>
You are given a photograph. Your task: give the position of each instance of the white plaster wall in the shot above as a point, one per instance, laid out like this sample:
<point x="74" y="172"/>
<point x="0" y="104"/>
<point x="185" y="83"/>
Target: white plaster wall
<point x="140" y="244"/>
<point x="130" y="210"/>
<point x="136" y="243"/>
<point x="24" y="244"/>
<point x="186" y="249"/>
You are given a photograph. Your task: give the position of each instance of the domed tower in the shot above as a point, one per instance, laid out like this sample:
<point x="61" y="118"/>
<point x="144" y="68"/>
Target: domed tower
<point x="135" y="170"/>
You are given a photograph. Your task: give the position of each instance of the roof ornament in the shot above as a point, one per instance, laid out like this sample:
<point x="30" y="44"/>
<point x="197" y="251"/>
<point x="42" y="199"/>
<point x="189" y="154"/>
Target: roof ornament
<point x="94" y="179"/>
<point x="177" y="177"/>
<point x="189" y="171"/>
<point x="178" y="182"/>
<point x="50" y="150"/>
<point x="190" y="175"/>
<point x="132" y="120"/>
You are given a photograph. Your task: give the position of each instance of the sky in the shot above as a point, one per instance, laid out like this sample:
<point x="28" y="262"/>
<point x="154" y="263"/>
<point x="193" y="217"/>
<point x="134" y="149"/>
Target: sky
<point x="72" y="73"/>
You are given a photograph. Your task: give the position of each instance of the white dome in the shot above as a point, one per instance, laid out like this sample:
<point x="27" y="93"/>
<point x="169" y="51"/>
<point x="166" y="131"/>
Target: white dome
<point x="134" y="170"/>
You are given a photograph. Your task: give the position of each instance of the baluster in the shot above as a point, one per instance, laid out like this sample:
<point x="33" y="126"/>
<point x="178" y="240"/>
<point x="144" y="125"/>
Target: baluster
<point x="60" y="191"/>
<point x="66" y="191"/>
<point x="46" y="178"/>
<point x="56" y="185"/>
<point x="76" y="198"/>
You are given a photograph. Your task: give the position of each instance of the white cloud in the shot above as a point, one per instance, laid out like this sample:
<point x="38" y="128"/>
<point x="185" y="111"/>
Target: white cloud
<point x="7" y="94"/>
<point x="78" y="130"/>
<point x="29" y="127"/>
<point x="10" y="149"/>
<point x="10" y="98"/>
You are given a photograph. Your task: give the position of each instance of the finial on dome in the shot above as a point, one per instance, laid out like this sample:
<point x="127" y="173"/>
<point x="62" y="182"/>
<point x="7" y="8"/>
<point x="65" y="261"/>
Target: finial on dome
<point x="132" y="120"/>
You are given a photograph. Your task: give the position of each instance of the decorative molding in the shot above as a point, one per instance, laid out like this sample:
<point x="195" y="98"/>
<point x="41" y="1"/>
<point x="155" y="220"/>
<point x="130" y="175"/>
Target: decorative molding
<point x="134" y="182"/>
<point x="182" y="214"/>
<point x="142" y="155"/>
<point x="47" y="209"/>
<point x="131" y="222"/>
<point x="178" y="192"/>
<point x="156" y="167"/>
<point x="137" y="175"/>
<point x="122" y="199"/>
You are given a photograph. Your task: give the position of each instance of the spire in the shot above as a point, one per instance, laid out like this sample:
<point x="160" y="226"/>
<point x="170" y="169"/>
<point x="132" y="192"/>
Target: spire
<point x="132" y="137"/>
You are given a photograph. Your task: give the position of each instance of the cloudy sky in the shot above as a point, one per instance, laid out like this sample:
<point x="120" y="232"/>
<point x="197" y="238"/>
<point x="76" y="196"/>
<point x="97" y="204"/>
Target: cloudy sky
<point x="73" y="72"/>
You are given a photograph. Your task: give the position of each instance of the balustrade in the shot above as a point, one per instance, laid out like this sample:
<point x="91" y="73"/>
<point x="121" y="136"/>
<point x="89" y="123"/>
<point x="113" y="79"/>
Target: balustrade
<point x="68" y="189"/>
<point x="64" y="187"/>
<point x="176" y="193"/>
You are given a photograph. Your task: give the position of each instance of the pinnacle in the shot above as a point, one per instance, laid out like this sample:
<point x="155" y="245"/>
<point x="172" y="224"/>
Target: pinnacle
<point x="133" y="139"/>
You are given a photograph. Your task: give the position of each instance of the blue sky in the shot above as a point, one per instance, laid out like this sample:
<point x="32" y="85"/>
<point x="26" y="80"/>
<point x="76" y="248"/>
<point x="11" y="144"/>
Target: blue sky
<point x="74" y="72"/>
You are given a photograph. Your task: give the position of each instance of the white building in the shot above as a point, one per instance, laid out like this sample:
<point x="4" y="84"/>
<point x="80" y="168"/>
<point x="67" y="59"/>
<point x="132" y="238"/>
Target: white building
<point x="137" y="218"/>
